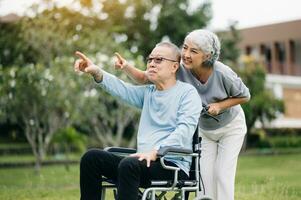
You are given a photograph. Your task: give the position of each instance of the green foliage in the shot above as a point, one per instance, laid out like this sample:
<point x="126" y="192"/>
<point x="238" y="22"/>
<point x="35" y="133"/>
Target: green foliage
<point x="278" y="142"/>
<point x="35" y="98"/>
<point x="53" y="34"/>
<point x="285" y="141"/>
<point x="139" y="25"/>
<point x="263" y="105"/>
<point x="69" y="138"/>
<point x="229" y="40"/>
<point x="176" y="21"/>
<point x="43" y="95"/>
<point x="11" y="44"/>
<point x="136" y="25"/>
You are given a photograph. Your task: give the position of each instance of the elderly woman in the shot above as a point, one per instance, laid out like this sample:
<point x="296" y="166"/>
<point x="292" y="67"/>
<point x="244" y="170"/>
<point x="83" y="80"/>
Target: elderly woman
<point x="222" y="124"/>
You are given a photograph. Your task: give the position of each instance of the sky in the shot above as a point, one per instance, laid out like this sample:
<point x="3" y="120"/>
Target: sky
<point x="248" y="13"/>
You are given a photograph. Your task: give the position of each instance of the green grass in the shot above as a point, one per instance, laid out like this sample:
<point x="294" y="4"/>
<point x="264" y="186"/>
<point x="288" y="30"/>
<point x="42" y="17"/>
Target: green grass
<point x="13" y="145"/>
<point x="53" y="183"/>
<point x="30" y="158"/>
<point x="269" y="177"/>
<point x="258" y="177"/>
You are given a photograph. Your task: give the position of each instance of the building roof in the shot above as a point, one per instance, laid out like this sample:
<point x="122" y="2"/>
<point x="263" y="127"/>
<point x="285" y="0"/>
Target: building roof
<point x="271" y="33"/>
<point x="9" y="18"/>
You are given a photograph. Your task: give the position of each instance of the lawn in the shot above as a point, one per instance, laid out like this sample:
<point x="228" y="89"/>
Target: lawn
<point x="258" y="177"/>
<point x="269" y="177"/>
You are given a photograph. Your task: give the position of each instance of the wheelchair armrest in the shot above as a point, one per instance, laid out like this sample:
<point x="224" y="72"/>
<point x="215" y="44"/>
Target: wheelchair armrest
<point x="120" y="150"/>
<point x="175" y="150"/>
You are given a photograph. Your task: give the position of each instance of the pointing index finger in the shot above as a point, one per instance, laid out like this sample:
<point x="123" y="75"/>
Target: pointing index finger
<point x="118" y="56"/>
<point x="81" y="55"/>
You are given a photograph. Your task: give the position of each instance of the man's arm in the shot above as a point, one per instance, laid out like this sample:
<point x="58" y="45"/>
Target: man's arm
<point x="133" y="95"/>
<point x="129" y="93"/>
<point x="187" y="120"/>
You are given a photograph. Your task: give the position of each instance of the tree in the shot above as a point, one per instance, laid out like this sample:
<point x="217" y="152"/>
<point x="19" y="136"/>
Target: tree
<point x="229" y="39"/>
<point x="175" y="22"/>
<point x="67" y="139"/>
<point x="32" y="99"/>
<point x="44" y="95"/>
<point x="263" y="106"/>
<point x="139" y="25"/>
<point x="110" y="120"/>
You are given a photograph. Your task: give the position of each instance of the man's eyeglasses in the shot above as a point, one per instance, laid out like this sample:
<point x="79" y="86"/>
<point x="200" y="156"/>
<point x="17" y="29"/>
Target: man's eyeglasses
<point x="158" y="60"/>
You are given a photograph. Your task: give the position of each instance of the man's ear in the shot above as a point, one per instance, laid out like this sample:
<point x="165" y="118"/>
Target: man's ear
<point x="176" y="66"/>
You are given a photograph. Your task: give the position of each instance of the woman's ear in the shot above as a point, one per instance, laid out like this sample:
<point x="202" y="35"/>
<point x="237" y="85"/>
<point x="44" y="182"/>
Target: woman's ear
<point x="207" y="60"/>
<point x="206" y="57"/>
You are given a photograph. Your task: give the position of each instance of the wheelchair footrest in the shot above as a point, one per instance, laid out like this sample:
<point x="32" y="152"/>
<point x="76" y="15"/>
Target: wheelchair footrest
<point x="169" y="183"/>
<point x="189" y="183"/>
<point x="161" y="183"/>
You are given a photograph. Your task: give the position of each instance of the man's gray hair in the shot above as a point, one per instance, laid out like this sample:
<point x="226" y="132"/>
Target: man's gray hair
<point x="206" y="41"/>
<point x="173" y="47"/>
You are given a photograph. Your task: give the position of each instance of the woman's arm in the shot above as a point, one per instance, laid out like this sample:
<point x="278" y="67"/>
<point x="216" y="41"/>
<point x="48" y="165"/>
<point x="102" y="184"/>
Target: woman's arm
<point x="134" y="73"/>
<point x="237" y="92"/>
<point x="216" y="108"/>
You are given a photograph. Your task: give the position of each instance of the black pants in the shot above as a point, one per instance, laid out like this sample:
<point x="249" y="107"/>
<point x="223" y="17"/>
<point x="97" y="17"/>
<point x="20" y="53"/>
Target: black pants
<point x="129" y="173"/>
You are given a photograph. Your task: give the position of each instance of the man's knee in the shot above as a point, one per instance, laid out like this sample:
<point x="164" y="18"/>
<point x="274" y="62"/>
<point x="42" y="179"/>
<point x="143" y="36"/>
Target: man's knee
<point x="91" y="155"/>
<point x="128" y="164"/>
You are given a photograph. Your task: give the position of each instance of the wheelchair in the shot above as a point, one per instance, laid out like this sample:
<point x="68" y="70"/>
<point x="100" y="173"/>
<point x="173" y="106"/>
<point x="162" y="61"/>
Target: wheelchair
<point x="159" y="189"/>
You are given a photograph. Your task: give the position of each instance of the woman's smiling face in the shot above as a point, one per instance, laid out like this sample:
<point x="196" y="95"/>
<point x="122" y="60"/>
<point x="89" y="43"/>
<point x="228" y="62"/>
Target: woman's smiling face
<point x="192" y="56"/>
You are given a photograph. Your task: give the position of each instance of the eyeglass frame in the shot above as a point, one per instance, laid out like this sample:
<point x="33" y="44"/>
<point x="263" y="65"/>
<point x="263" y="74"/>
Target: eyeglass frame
<point x="159" y="60"/>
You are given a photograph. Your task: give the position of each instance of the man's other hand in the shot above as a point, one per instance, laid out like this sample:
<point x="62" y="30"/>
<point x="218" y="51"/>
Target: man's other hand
<point x="149" y="156"/>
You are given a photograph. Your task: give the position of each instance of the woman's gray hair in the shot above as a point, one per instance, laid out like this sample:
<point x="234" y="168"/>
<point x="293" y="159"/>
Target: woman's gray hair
<point x="208" y="42"/>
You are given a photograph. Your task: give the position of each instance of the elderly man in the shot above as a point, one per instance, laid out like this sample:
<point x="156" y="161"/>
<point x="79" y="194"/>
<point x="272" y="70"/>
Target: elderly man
<point x="170" y="114"/>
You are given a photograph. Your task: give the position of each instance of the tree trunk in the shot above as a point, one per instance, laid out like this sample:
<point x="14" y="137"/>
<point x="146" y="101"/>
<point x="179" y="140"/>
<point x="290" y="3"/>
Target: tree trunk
<point x="38" y="163"/>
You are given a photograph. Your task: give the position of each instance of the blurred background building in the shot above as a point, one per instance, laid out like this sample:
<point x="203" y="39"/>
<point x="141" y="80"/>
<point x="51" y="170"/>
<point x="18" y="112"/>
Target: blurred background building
<point x="278" y="48"/>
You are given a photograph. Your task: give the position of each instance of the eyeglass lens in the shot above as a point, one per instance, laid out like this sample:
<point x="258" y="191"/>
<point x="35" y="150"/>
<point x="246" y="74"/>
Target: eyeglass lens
<point x="156" y="60"/>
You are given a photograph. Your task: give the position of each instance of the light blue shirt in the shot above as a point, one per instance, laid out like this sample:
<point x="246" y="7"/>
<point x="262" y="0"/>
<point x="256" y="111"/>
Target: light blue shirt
<point x="168" y="118"/>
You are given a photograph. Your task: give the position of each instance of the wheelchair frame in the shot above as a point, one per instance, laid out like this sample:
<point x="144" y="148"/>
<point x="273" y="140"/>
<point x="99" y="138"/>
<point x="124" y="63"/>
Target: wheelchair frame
<point x="163" y="186"/>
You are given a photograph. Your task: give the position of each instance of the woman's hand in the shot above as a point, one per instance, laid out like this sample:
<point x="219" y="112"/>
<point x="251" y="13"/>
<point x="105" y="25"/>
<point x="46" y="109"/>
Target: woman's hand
<point x="217" y="108"/>
<point x="214" y="109"/>
<point x="120" y="62"/>
<point x="149" y="156"/>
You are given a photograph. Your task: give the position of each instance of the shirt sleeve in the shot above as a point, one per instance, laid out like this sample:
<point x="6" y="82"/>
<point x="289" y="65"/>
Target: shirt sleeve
<point x="235" y="86"/>
<point x="133" y="95"/>
<point x="187" y="120"/>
